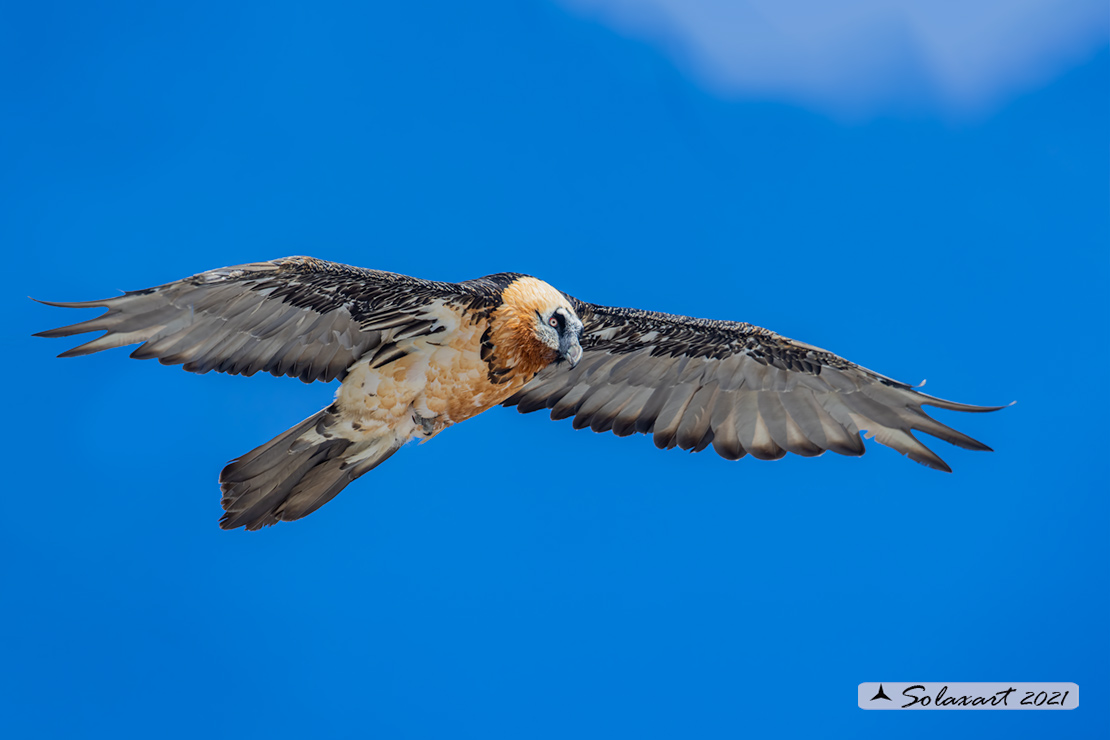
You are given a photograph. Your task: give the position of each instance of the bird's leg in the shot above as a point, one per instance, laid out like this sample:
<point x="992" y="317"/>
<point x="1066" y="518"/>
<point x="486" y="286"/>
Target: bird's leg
<point x="429" y="426"/>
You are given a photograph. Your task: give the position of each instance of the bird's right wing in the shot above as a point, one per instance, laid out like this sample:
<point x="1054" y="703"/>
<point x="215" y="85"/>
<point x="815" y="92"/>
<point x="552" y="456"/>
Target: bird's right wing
<point x="295" y="316"/>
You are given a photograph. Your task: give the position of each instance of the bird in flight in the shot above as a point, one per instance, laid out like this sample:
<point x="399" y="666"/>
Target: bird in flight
<point x="417" y="356"/>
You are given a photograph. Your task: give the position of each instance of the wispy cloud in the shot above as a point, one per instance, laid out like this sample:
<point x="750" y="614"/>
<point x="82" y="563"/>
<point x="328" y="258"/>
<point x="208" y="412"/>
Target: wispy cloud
<point x="866" y="57"/>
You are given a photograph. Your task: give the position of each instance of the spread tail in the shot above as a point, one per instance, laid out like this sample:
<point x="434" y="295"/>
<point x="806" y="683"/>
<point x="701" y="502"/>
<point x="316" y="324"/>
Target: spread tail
<point x="297" y="472"/>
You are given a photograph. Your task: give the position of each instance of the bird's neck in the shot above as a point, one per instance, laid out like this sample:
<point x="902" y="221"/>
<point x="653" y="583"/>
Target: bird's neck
<point x="515" y="349"/>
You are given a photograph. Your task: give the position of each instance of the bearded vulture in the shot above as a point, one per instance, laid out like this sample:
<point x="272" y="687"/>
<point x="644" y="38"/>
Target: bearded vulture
<point x="416" y="356"/>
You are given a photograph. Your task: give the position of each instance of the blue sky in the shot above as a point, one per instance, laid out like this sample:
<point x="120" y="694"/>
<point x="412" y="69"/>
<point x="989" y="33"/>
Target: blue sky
<point x="467" y="588"/>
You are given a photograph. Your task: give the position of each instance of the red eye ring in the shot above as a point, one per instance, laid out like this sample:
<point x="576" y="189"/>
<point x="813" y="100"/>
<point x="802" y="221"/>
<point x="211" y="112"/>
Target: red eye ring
<point x="553" y="321"/>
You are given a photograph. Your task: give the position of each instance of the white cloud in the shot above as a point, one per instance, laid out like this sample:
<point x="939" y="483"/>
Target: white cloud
<point x="865" y="57"/>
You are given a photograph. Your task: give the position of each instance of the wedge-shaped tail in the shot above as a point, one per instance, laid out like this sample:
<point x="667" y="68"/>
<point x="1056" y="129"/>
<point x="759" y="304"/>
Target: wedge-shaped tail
<point x="297" y="472"/>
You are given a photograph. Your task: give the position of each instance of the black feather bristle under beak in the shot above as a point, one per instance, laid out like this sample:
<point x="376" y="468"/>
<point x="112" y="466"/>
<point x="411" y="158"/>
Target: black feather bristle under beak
<point x="570" y="349"/>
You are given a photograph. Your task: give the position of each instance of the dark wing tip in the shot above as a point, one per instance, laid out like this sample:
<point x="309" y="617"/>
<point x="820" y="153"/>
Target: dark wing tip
<point x="928" y="458"/>
<point x="75" y="352"/>
<point x="71" y="329"/>
<point x="232" y="520"/>
<point x="72" y="304"/>
<point x="941" y="403"/>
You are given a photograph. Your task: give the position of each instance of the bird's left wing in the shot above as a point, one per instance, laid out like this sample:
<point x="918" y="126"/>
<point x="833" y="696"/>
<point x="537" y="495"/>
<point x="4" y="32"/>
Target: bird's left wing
<point x="297" y="316"/>
<point x="692" y="383"/>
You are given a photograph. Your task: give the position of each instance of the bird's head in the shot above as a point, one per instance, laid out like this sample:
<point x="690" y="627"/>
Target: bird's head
<point x="561" y="330"/>
<point x="535" y="326"/>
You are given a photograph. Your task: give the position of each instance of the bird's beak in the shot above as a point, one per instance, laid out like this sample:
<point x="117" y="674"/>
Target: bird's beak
<point x="573" y="351"/>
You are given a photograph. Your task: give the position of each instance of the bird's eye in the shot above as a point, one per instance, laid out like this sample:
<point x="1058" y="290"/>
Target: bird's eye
<point x="553" y="321"/>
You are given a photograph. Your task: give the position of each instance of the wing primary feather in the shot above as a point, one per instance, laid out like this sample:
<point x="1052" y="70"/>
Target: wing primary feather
<point x="706" y="440"/>
<point x="625" y="422"/>
<point x="592" y="403"/>
<point x="726" y="442"/>
<point x="697" y="417"/>
<point x="670" y="416"/>
<point x="645" y="422"/>
<point x="782" y="428"/>
<point x="568" y="404"/>
<point x="841" y="433"/>
<point x="909" y="446"/>
<point x="530" y="401"/>
<point x="763" y="444"/>
<point x="607" y="416"/>
<point x="99" y="323"/>
<point x="804" y="412"/>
